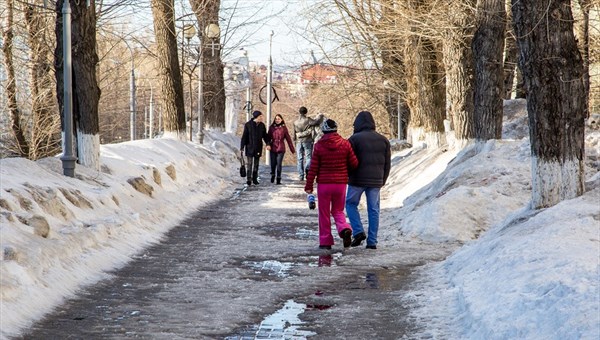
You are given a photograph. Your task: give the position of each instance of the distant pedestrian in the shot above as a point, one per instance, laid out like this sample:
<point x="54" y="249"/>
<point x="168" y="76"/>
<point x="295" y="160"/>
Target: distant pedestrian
<point x="374" y="157"/>
<point x="332" y="159"/>
<point x="253" y="136"/>
<point x="278" y="133"/>
<point x="304" y="134"/>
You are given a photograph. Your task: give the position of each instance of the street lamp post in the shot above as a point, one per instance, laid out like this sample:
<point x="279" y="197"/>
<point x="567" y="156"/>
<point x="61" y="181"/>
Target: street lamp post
<point x="188" y="32"/>
<point x="248" y="87"/>
<point x="68" y="159"/>
<point x="151" y="125"/>
<point x="132" y="107"/>
<point x="212" y="31"/>
<point x="269" y="91"/>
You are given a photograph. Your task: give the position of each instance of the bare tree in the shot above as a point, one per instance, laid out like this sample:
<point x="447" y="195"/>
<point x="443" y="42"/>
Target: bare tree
<point x="45" y="130"/>
<point x="458" y="62"/>
<point x="11" y="86"/>
<point x="510" y="56"/>
<point x="553" y="72"/>
<point x="86" y="93"/>
<point x="170" y="74"/>
<point x="392" y="66"/>
<point x="207" y="12"/>
<point x="584" y="41"/>
<point x="426" y="92"/>
<point x="488" y="46"/>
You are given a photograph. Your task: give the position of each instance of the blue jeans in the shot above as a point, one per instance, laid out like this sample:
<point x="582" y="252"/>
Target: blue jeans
<point x="303" y="154"/>
<point x="352" y="200"/>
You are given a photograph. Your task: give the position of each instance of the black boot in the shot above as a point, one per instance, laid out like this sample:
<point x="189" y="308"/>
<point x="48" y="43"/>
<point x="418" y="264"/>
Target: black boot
<point x="273" y="179"/>
<point x="255" y="178"/>
<point x="358" y="238"/>
<point x="278" y="180"/>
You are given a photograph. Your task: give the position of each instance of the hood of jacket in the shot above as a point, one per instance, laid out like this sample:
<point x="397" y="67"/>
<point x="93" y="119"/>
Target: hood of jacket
<point x="364" y="121"/>
<point x="331" y="141"/>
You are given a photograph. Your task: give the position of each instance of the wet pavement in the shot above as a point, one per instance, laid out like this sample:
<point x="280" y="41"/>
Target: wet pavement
<point x="248" y="267"/>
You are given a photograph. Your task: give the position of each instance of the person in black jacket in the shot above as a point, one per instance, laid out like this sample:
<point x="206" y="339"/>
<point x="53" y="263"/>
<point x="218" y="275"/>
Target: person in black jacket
<point x="374" y="158"/>
<point x="252" y="143"/>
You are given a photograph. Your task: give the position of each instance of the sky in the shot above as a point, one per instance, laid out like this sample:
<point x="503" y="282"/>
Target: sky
<point x="517" y="272"/>
<point x="250" y="28"/>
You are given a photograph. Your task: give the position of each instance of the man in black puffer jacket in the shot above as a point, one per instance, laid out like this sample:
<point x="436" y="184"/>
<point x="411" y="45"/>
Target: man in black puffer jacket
<point x="374" y="157"/>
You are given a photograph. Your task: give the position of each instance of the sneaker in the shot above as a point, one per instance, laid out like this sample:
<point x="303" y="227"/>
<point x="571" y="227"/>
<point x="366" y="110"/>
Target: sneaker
<point x="325" y="247"/>
<point x="272" y="178"/>
<point x="371" y="246"/>
<point x="347" y="236"/>
<point x="358" y="238"/>
<point x="311" y="201"/>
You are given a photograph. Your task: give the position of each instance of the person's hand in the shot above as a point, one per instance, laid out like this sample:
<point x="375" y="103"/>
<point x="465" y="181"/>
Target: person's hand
<point x="268" y="147"/>
<point x="308" y="191"/>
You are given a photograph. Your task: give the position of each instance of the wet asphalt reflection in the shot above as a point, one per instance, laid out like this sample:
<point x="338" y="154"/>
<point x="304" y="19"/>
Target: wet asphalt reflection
<point x="245" y="267"/>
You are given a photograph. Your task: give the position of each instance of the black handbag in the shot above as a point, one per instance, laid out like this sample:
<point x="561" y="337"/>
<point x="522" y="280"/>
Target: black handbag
<point x="243" y="166"/>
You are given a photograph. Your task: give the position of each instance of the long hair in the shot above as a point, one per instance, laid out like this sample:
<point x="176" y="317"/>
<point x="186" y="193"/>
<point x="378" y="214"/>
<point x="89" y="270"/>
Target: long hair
<point x="282" y="120"/>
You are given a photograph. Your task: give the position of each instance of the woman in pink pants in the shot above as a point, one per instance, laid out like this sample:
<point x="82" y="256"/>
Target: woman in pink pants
<point x="332" y="158"/>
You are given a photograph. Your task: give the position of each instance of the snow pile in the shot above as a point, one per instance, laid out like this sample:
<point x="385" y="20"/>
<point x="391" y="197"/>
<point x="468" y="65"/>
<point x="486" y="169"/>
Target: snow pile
<point x="522" y="273"/>
<point x="59" y="233"/>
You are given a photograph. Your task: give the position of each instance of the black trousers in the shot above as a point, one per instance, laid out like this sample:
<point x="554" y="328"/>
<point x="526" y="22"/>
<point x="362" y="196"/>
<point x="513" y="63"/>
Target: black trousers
<point x="252" y="167"/>
<point x="276" y="163"/>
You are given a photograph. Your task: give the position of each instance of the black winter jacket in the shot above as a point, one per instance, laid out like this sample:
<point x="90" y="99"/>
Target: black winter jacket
<point x="373" y="152"/>
<point x="252" y="138"/>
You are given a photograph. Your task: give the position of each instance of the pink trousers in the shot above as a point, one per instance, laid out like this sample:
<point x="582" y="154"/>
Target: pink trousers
<point x="331" y="199"/>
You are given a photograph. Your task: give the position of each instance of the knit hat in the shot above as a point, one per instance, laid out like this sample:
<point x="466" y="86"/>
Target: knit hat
<point x="302" y="110"/>
<point x="256" y="114"/>
<point x="329" y="125"/>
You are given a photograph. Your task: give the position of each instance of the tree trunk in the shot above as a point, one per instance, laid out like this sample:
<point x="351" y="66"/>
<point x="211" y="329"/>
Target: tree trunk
<point x="170" y="74"/>
<point x="488" y="47"/>
<point x="426" y="96"/>
<point x="207" y="12"/>
<point x="520" y="91"/>
<point x="22" y="147"/>
<point x="510" y="58"/>
<point x="584" y="41"/>
<point x="86" y="93"/>
<point x="45" y="134"/>
<point x="392" y="69"/>
<point x="458" y="62"/>
<point x="553" y="73"/>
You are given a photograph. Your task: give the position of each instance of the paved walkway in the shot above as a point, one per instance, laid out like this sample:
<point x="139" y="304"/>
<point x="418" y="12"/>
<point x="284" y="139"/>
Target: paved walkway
<point x="244" y="268"/>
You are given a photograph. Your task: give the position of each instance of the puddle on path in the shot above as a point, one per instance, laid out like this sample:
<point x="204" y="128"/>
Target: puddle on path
<point x="324" y="260"/>
<point x="283" y="324"/>
<point x="270" y="267"/>
<point x="287" y="231"/>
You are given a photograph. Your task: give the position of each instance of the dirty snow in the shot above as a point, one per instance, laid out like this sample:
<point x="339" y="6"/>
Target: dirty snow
<point x="519" y="273"/>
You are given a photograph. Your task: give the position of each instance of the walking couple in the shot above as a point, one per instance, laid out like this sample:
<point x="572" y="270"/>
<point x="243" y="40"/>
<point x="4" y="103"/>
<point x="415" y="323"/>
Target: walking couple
<point x="363" y="164"/>
<point x="251" y="145"/>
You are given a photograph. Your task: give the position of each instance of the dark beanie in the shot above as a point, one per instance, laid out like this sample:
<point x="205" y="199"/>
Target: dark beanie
<point x="303" y="110"/>
<point x="329" y="125"/>
<point x="255" y="114"/>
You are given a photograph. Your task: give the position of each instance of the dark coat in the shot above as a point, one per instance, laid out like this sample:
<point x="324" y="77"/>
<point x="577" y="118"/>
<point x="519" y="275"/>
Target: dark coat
<point x="278" y="134"/>
<point x="373" y="152"/>
<point x="331" y="161"/>
<point x="252" y="138"/>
